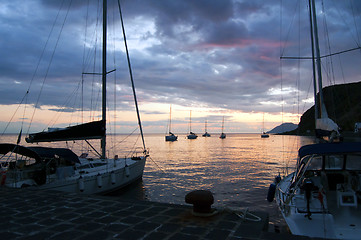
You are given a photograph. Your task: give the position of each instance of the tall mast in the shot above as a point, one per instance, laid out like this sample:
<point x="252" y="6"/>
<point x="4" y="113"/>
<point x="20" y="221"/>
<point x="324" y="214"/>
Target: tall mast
<point x="190" y="121"/>
<point x="313" y="65"/>
<point x="318" y="59"/>
<point x="104" y="76"/>
<point x="170" y="118"/>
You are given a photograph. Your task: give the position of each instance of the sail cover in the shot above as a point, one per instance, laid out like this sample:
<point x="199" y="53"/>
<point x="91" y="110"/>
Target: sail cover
<point x="39" y="153"/>
<point x="91" y="130"/>
<point x="330" y="148"/>
<point x="325" y="126"/>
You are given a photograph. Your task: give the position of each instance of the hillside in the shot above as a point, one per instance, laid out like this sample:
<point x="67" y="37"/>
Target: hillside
<point x="284" y="127"/>
<point x="343" y="103"/>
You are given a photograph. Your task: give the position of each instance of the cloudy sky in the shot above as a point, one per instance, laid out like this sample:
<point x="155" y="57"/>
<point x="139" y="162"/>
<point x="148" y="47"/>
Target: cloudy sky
<point x="212" y="57"/>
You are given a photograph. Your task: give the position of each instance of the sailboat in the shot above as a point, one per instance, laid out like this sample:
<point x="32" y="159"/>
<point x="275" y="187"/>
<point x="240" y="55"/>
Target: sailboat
<point x="206" y="134"/>
<point x="191" y="134"/>
<point x="63" y="170"/>
<point x="264" y="134"/>
<point x="320" y="198"/>
<point x="171" y="137"/>
<point x="223" y="135"/>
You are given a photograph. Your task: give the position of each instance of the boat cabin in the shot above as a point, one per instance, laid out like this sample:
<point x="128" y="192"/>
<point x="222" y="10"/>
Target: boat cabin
<point x="330" y="167"/>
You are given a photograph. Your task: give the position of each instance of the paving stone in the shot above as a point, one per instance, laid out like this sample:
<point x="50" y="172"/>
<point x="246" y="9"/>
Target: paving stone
<point x="169" y="227"/>
<point x="81" y="219"/>
<point x="67" y="235"/>
<point x="107" y="219"/>
<point x="160" y="219"/>
<point x="62" y="227"/>
<point x="181" y="236"/>
<point x="131" y="220"/>
<point x="218" y="234"/>
<point x="96" y="235"/>
<point x="227" y="225"/>
<point x="146" y="226"/>
<point x="9" y="235"/>
<point x="116" y="227"/>
<point x="130" y="234"/>
<point x="155" y="236"/>
<point x="38" y="235"/>
<point x="87" y="227"/>
<point x="193" y="230"/>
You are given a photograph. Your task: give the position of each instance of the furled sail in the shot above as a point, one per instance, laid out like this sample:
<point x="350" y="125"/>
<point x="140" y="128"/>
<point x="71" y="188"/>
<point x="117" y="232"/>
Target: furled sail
<point x="325" y="127"/>
<point x="91" y="130"/>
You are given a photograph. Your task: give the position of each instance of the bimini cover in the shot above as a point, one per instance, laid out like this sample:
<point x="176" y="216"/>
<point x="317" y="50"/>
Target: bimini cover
<point x="39" y="153"/>
<point x="329" y="148"/>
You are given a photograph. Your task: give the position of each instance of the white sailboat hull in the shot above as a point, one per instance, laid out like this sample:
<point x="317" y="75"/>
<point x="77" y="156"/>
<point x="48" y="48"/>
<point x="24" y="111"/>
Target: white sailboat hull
<point x="111" y="176"/>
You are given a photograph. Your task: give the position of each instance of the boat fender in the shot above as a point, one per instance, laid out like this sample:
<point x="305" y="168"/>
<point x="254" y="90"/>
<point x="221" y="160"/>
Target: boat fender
<point x="99" y="180"/>
<point x="112" y="177"/>
<point x="271" y="192"/>
<point x="81" y="184"/>
<point x="127" y="171"/>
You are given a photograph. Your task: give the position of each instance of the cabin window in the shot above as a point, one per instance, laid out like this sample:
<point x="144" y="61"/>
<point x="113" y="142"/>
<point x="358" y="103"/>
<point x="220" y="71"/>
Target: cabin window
<point x="316" y="163"/>
<point x="353" y="162"/>
<point x="334" y="162"/>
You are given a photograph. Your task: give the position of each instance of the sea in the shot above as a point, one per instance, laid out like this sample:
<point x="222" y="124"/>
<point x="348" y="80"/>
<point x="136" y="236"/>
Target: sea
<point x="238" y="170"/>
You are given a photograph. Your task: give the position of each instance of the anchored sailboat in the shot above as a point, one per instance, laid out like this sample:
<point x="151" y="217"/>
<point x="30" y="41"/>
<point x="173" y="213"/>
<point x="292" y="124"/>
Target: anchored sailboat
<point x="191" y="134"/>
<point x="223" y="135"/>
<point x="264" y="135"/>
<point x="60" y="168"/>
<point x="206" y="134"/>
<point x="171" y="137"/>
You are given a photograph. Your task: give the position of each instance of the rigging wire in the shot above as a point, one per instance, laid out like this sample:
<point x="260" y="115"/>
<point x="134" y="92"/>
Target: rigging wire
<point x="25" y="97"/>
<point x="131" y="76"/>
<point x="48" y="68"/>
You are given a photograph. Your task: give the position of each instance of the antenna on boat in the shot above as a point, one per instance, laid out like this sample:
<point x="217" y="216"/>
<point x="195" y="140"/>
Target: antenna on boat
<point x="131" y="76"/>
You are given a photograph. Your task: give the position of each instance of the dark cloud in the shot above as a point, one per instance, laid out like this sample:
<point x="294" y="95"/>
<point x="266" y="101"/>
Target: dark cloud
<point x="222" y="54"/>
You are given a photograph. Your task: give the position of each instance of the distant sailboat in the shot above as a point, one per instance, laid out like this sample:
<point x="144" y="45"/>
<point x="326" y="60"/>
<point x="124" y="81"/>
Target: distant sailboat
<point x="264" y="134"/>
<point x="206" y="134"/>
<point x="171" y="137"/>
<point x="223" y="135"/>
<point x="191" y="134"/>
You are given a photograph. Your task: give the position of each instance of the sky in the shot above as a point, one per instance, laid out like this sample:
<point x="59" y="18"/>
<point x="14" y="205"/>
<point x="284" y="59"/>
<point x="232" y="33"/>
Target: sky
<point x="204" y="59"/>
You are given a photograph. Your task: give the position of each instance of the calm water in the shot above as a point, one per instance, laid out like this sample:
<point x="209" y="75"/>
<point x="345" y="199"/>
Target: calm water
<point x="237" y="170"/>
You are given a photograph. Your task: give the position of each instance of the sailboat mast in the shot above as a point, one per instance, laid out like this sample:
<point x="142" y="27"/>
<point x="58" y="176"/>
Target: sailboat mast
<point x="318" y="56"/>
<point x="170" y="118"/>
<point x="313" y="65"/>
<point x="222" y="124"/>
<point x="190" y="121"/>
<point x="104" y="76"/>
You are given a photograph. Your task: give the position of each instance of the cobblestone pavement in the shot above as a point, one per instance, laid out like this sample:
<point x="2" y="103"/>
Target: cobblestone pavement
<point x="33" y="214"/>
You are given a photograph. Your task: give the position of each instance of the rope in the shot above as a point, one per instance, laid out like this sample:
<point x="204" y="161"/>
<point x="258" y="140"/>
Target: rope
<point x="243" y="213"/>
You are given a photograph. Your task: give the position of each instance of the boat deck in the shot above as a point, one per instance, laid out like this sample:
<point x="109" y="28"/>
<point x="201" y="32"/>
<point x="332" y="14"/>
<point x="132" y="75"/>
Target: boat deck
<point x="347" y="218"/>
